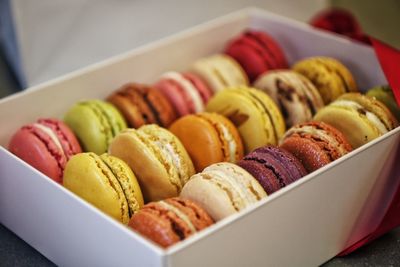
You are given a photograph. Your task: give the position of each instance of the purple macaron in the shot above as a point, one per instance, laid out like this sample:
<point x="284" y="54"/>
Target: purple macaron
<point x="273" y="167"/>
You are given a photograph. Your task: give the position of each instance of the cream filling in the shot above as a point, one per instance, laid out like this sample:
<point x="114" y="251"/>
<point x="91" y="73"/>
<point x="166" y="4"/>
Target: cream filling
<point x="180" y="214"/>
<point x="370" y="116"/>
<point x="231" y="141"/>
<point x="238" y="188"/>
<point x="231" y="73"/>
<point x="189" y="88"/>
<point x="51" y="134"/>
<point x="169" y="152"/>
<point x="317" y="132"/>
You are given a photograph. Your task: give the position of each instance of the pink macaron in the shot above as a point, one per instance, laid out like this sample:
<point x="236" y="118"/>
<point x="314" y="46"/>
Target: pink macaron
<point x="187" y="92"/>
<point x="46" y="145"/>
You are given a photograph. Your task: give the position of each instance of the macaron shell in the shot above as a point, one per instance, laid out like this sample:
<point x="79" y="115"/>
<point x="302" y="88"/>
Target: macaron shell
<point x="127" y="181"/>
<point x="209" y="196"/>
<point x="291" y="164"/>
<point x="385" y="95"/>
<point x="95" y="123"/>
<point x="374" y="106"/>
<point x="355" y="127"/>
<point x="38" y="151"/>
<point x="143" y="159"/>
<point x="155" y="225"/>
<point x="296" y="96"/>
<point x="203" y="140"/>
<point x="331" y="77"/>
<point x="254" y="114"/>
<point x="344" y="73"/>
<point x="88" y="128"/>
<point x="223" y="189"/>
<point x="330" y="140"/>
<point x="266" y="177"/>
<point x="273" y="167"/>
<point x="220" y="71"/>
<point x="114" y="118"/>
<point x="256" y="52"/>
<point x="308" y="152"/>
<point x="197" y="215"/>
<point x="201" y="86"/>
<point x="200" y="140"/>
<point x="66" y="137"/>
<point x="142" y="104"/>
<point x="272" y="46"/>
<point x="89" y="177"/>
<point x="225" y="127"/>
<point x="166" y="139"/>
<point x="130" y="102"/>
<point x="181" y="101"/>
<point x="163" y="226"/>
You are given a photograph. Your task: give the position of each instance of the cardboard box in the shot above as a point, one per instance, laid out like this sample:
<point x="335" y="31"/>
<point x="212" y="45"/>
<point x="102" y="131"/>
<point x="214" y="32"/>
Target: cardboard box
<point x="304" y="224"/>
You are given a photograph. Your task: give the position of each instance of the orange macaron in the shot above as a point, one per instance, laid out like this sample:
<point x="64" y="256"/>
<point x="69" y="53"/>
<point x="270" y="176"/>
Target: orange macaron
<point x="209" y="138"/>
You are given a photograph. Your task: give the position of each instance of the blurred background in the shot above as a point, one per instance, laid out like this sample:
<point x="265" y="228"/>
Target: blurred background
<point x="41" y="40"/>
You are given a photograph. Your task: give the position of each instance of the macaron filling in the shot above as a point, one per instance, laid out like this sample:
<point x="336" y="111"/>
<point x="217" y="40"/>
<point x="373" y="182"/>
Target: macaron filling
<point x="266" y="111"/>
<point x="166" y="155"/>
<point x="228" y="137"/>
<point x="114" y="183"/>
<point x="170" y="152"/>
<point x="103" y="118"/>
<point x="180" y="215"/>
<point x="189" y="89"/>
<point x="234" y="186"/>
<point x="52" y="136"/>
<point x="374" y="119"/>
<point x="230" y="69"/>
<point x="120" y="174"/>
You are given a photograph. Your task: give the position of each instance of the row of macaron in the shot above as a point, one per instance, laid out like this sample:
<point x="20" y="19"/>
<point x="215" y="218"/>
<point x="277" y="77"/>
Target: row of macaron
<point x="251" y="120"/>
<point x="163" y="164"/>
<point x="252" y="57"/>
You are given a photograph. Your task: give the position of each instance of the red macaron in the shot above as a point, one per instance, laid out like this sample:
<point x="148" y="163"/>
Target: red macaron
<point x="257" y="52"/>
<point x="46" y="145"/>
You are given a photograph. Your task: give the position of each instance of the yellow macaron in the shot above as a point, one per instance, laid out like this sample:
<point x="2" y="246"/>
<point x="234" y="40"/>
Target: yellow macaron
<point x="158" y="159"/>
<point x="106" y="182"/>
<point x="254" y="114"/>
<point x="329" y="75"/>
<point x="360" y="118"/>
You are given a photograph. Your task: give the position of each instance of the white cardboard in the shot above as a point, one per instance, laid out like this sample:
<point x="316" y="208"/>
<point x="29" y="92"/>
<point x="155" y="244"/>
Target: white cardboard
<point x="304" y="224"/>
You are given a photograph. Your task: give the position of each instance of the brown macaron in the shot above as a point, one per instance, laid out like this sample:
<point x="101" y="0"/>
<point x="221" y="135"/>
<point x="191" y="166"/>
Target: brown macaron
<point x="141" y="104"/>
<point x="169" y="221"/>
<point x="315" y="144"/>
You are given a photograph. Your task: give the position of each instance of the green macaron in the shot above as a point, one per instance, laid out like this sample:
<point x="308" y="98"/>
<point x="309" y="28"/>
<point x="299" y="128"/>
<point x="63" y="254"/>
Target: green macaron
<point x="95" y="123"/>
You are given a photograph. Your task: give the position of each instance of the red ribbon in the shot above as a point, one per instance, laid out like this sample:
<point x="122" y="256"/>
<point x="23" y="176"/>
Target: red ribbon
<point x="389" y="58"/>
<point x="343" y="22"/>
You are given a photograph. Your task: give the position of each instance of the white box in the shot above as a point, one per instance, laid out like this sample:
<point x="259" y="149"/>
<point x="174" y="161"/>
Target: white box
<point x="304" y="224"/>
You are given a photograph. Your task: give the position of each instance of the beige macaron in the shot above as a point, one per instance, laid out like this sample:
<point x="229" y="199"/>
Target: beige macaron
<point x="223" y="189"/>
